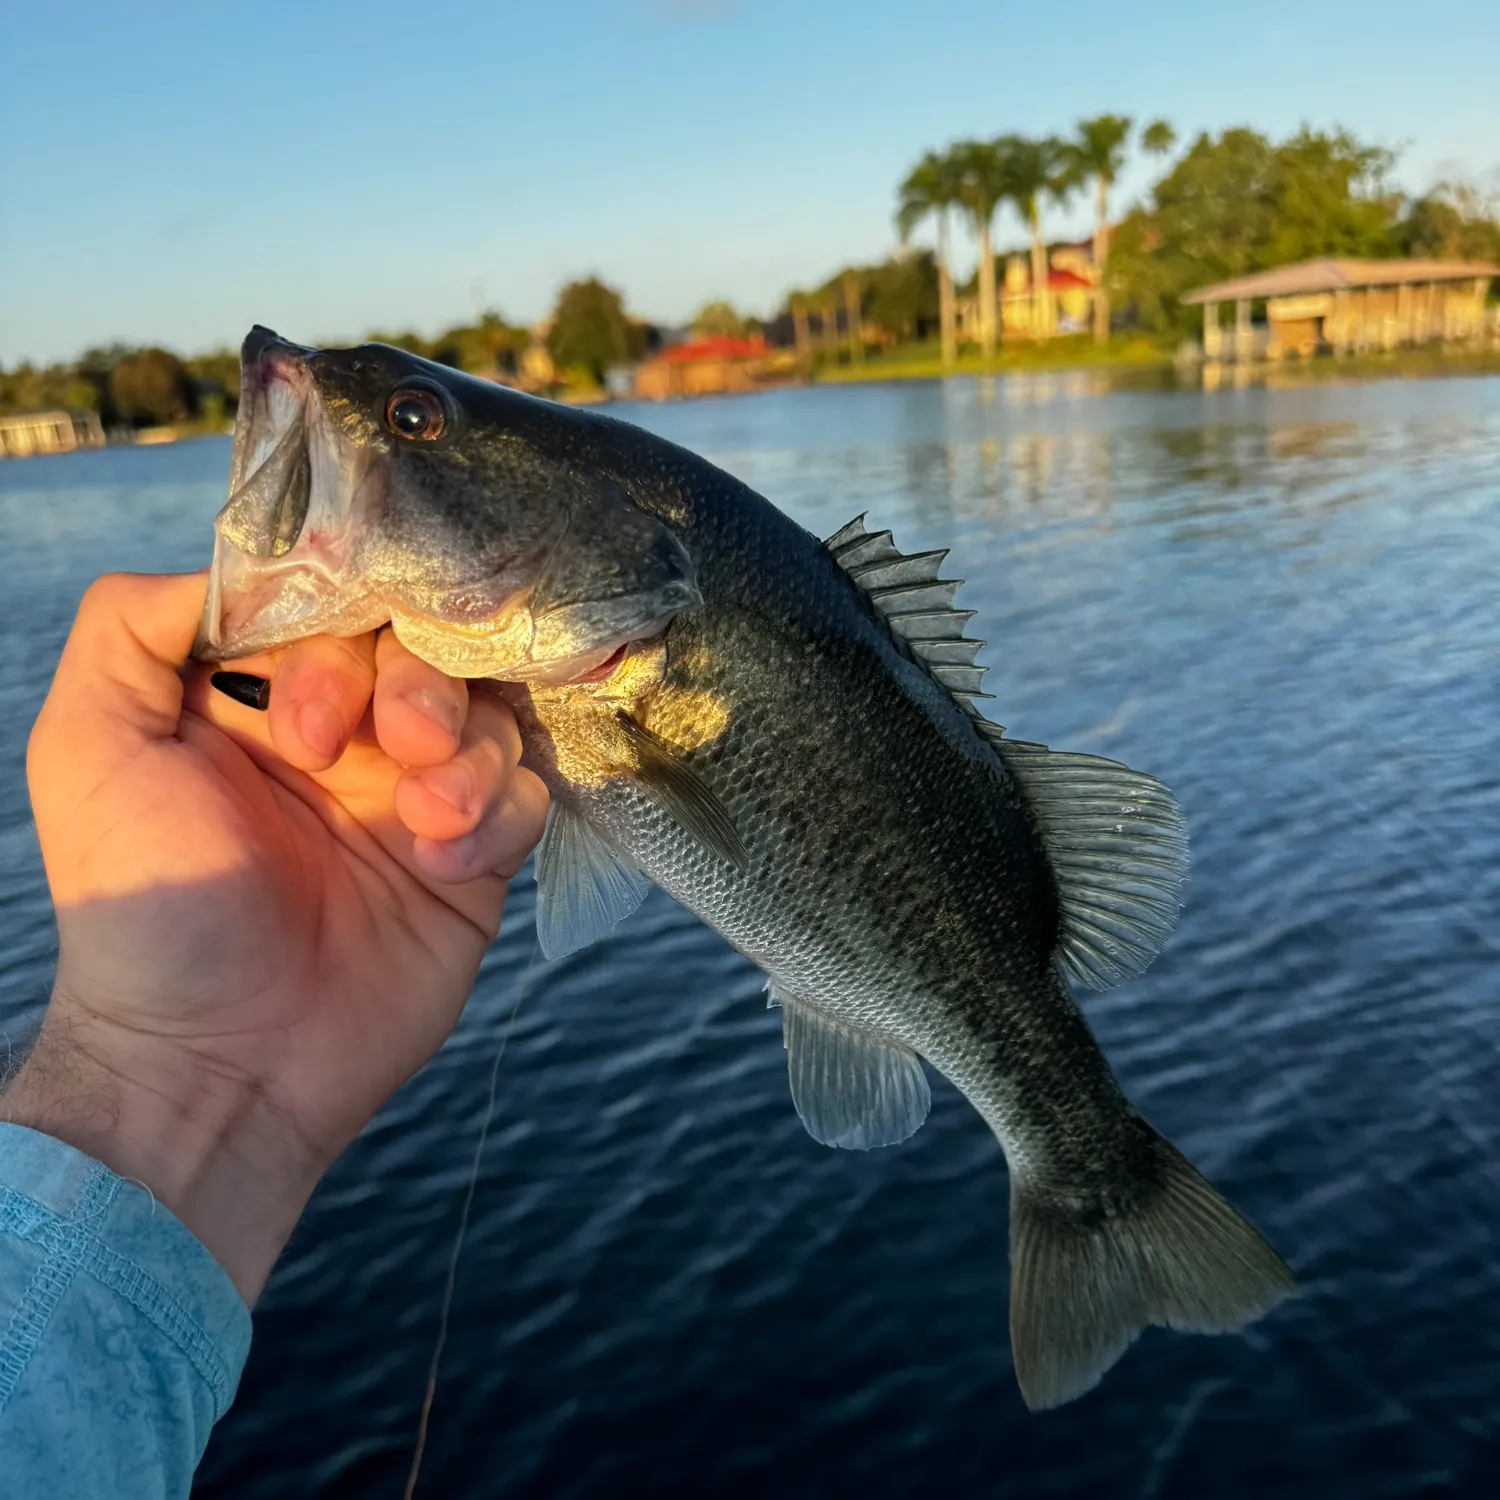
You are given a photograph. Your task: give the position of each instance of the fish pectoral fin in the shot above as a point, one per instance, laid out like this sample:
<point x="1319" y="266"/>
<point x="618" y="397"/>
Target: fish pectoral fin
<point x="583" y="887"/>
<point x="674" y="788"/>
<point x="1119" y="854"/>
<point x="851" y="1088"/>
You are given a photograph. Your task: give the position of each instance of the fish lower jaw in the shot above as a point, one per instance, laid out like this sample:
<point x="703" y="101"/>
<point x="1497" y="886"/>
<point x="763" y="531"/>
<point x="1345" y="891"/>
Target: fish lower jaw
<point x="604" y="670"/>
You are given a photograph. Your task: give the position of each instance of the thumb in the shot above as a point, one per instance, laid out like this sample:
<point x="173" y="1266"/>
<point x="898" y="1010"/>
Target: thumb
<point x="117" y="686"/>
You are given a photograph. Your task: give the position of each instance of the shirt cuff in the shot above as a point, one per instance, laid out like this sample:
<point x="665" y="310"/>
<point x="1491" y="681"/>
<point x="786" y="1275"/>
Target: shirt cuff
<point x="86" y="1221"/>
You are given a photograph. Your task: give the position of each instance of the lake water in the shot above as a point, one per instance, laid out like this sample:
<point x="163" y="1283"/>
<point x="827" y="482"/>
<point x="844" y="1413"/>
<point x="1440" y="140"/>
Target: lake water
<point x="1286" y="604"/>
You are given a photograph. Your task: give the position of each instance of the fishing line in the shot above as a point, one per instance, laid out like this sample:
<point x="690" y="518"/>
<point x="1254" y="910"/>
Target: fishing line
<point x="463" y="1228"/>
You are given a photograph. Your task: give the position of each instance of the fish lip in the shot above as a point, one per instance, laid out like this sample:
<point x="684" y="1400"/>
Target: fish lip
<point x="277" y="395"/>
<point x="264" y="356"/>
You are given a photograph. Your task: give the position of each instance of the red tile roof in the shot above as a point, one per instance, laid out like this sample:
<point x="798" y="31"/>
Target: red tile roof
<point x="715" y="348"/>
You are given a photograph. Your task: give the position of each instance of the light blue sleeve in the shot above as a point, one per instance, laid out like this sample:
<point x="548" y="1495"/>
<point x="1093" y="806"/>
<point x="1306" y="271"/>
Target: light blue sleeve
<point x="121" y="1339"/>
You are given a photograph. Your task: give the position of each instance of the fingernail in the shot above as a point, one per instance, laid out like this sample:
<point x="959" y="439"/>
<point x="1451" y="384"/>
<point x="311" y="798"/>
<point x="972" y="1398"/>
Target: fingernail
<point x="453" y="784"/>
<point x="253" y="692"/>
<point x="441" y="710"/>
<point x="462" y="851"/>
<point x="320" y="728"/>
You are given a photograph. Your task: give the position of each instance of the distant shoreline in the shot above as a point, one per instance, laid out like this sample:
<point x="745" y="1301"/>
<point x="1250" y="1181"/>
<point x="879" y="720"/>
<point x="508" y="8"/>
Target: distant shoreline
<point x="1154" y="367"/>
<point x="1148" y="359"/>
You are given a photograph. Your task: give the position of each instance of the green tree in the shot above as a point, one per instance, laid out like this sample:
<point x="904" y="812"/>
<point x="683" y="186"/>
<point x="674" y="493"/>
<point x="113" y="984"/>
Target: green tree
<point x="930" y="191"/>
<point x="486" y="348"/>
<point x="1330" y="197"/>
<point x="981" y="182"/>
<point x="1240" y="203"/>
<point x="413" y="343"/>
<point x="588" y="328"/>
<point x="216" y="384"/>
<point x="94" y="366"/>
<point x="1096" y="155"/>
<point x="718" y="319"/>
<point x="152" y="387"/>
<point x="1451" y="222"/>
<point x="28" y="389"/>
<point x="903" y="295"/>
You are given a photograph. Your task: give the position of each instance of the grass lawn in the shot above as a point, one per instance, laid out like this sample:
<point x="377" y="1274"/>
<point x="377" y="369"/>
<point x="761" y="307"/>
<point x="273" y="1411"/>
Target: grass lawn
<point x="1071" y="352"/>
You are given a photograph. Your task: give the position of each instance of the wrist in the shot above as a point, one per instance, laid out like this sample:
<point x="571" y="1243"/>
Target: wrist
<point x="202" y="1140"/>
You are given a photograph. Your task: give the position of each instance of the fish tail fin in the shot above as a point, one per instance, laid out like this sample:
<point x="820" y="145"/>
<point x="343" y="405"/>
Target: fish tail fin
<point x="1090" y="1271"/>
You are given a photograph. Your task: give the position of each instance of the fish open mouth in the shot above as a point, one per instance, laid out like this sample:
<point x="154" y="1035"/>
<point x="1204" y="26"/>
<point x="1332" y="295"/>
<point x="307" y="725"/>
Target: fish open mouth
<point x="337" y="523"/>
<point x="284" y="542"/>
<point x="605" y="668"/>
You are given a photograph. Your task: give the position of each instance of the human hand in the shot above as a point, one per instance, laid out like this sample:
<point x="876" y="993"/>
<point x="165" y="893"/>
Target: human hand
<point x="266" y="922"/>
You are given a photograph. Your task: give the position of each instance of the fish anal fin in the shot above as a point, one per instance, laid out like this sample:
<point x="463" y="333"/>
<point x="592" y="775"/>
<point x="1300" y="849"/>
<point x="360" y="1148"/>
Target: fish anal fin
<point x="851" y="1088"/>
<point x="583" y="887"/>
<point x="1118" y="849"/>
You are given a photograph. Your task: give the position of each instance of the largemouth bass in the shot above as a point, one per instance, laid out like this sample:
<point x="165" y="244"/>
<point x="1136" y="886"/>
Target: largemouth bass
<point x="780" y="732"/>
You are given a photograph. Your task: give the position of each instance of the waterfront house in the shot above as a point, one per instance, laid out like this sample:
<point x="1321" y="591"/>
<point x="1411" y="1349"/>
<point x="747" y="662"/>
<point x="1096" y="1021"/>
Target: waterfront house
<point x="1072" y="283"/>
<point x="713" y="366"/>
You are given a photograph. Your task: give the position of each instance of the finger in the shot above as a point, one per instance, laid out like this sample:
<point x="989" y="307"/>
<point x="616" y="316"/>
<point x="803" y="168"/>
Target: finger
<point x="116" y="684"/>
<point x="449" y="800"/>
<point x="499" y="845"/>
<point x="419" y="712"/>
<point x="320" y="691"/>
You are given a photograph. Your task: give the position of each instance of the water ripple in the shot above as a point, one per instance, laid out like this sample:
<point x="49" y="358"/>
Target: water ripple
<point x="1282" y="602"/>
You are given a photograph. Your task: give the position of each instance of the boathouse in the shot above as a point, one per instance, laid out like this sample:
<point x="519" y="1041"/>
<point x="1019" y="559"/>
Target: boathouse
<point x="49" y="432"/>
<point x="1346" y="306"/>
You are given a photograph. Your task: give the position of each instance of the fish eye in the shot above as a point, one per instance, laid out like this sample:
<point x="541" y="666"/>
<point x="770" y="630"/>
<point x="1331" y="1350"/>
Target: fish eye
<point x="416" y="414"/>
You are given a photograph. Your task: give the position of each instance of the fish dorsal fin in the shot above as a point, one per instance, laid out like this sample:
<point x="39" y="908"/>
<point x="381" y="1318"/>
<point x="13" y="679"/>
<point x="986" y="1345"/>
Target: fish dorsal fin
<point x="583" y="887"/>
<point x="1119" y="853"/>
<point x="917" y="606"/>
<point x="851" y="1088"/>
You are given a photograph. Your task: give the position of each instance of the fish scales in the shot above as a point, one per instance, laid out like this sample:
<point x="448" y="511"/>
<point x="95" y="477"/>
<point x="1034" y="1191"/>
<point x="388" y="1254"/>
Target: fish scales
<point x="779" y="732"/>
<point x="943" y="902"/>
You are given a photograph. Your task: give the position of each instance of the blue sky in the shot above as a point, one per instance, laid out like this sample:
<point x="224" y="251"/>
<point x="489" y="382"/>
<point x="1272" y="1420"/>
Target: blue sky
<point x="175" y="172"/>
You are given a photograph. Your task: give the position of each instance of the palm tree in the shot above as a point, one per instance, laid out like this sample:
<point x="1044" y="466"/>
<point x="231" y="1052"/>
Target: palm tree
<point x="829" y="305"/>
<point x="1027" y="169"/>
<point x="1097" y="154"/>
<point x="852" y="318"/>
<point x="980" y="186"/>
<point x="929" y="191"/>
<point x="1158" y="138"/>
<point x="796" y="304"/>
<point x="1061" y="185"/>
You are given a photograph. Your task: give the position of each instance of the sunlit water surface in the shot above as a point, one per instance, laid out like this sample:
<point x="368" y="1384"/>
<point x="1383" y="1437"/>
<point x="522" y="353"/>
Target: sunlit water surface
<point x="1285" y="604"/>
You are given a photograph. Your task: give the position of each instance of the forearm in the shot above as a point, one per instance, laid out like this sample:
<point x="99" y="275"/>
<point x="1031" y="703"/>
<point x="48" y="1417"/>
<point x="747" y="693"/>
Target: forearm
<point x="201" y="1141"/>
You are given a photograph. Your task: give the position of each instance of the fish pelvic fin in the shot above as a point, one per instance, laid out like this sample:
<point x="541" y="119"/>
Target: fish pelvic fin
<point x="1088" y="1274"/>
